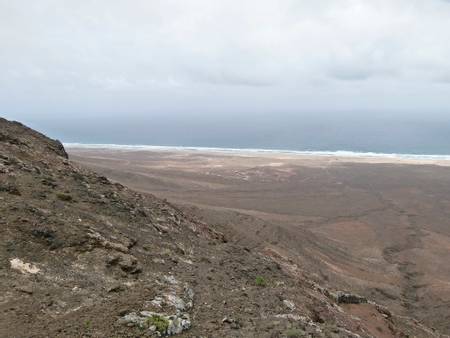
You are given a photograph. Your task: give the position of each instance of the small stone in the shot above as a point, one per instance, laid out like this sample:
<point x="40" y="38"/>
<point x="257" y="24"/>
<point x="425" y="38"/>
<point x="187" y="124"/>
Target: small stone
<point x="290" y="305"/>
<point x="123" y="312"/>
<point x="171" y="280"/>
<point x="227" y="320"/>
<point x="115" y="288"/>
<point x="157" y="301"/>
<point x="25" y="289"/>
<point x="131" y="319"/>
<point x="235" y="326"/>
<point x="176" y="302"/>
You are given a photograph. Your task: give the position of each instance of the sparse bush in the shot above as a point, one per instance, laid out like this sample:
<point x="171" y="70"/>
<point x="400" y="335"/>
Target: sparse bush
<point x="260" y="281"/>
<point x="65" y="197"/>
<point x="161" y="323"/>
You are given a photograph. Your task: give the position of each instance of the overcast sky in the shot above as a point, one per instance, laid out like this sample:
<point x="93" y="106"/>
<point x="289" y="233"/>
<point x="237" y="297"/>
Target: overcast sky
<point x="71" y="59"/>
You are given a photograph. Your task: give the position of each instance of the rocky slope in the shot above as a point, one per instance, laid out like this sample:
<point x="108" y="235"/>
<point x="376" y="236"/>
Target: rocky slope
<point x="81" y="256"/>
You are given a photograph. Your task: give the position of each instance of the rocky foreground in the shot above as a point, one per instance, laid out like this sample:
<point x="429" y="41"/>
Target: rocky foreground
<point x="81" y="256"/>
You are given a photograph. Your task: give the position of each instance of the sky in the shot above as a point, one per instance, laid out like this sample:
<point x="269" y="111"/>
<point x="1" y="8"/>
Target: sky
<point x="71" y="64"/>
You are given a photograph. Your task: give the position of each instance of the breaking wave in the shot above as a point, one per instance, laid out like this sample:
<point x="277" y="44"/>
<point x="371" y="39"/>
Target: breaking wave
<point x="339" y="153"/>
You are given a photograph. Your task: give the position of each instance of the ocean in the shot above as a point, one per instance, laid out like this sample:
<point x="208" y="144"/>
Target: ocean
<point x="365" y="134"/>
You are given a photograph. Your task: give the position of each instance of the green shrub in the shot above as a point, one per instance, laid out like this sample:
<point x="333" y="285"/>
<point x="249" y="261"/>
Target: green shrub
<point x="260" y="281"/>
<point x="161" y="323"/>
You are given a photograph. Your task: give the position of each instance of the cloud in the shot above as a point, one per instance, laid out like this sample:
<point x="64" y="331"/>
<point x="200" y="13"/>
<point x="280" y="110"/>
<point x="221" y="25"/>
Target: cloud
<point x="65" y="48"/>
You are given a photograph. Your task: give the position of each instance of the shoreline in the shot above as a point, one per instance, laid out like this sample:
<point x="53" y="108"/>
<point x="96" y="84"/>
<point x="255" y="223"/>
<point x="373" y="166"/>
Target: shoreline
<point x="329" y="156"/>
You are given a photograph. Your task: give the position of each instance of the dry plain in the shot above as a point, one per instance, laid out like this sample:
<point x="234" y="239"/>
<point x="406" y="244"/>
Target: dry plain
<point x="376" y="226"/>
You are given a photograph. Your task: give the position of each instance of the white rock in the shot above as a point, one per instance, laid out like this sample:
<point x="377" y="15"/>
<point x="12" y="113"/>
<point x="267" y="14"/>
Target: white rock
<point x="157" y="301"/>
<point x="131" y="318"/>
<point x="171" y="280"/>
<point x="292" y="317"/>
<point x="290" y="305"/>
<point x="176" y="302"/>
<point x="18" y="264"/>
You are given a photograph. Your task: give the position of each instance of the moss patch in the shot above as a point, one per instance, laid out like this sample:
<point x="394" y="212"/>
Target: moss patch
<point x="260" y="281"/>
<point x="161" y="323"/>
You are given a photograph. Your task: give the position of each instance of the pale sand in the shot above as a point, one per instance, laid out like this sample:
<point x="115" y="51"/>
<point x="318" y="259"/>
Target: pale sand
<point x="305" y="159"/>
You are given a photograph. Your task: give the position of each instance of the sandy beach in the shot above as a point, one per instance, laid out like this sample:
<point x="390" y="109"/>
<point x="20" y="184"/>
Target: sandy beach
<point x="307" y="158"/>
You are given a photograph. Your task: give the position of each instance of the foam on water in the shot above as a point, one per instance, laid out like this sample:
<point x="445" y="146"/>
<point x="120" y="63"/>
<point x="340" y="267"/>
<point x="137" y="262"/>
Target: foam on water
<point x="340" y="153"/>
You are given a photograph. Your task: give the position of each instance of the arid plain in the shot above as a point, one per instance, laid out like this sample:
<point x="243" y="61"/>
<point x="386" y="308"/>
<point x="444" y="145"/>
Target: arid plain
<point x="376" y="226"/>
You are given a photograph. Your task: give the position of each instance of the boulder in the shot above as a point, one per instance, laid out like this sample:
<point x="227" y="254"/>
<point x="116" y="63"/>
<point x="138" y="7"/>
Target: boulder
<point x="349" y="298"/>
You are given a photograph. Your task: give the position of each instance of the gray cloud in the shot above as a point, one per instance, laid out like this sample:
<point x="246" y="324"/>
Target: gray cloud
<point x="104" y="55"/>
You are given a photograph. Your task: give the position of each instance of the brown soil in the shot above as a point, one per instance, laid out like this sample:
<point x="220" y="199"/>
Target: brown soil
<point x="81" y="256"/>
<point x="379" y="229"/>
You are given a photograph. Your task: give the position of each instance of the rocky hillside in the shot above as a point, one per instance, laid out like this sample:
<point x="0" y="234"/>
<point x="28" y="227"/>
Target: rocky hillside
<point x="81" y="256"/>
